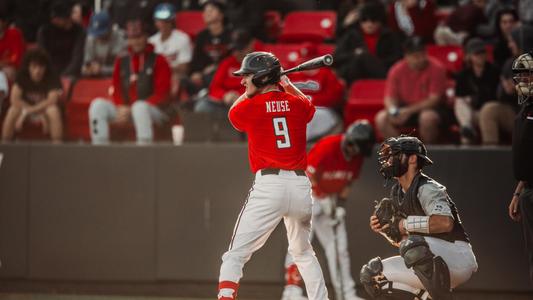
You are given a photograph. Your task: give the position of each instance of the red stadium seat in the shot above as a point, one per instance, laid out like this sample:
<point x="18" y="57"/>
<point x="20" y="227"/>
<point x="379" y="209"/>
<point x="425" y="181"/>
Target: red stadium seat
<point x="323" y="49"/>
<point x="190" y="22"/>
<point x="273" y="24"/>
<point x="77" y="111"/>
<point x="367" y="90"/>
<point x="309" y="26"/>
<point x="291" y="55"/>
<point x="450" y="56"/>
<point x="365" y="100"/>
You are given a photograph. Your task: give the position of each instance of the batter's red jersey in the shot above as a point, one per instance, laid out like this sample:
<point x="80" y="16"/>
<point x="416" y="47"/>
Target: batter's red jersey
<point x="276" y="125"/>
<point x="330" y="169"/>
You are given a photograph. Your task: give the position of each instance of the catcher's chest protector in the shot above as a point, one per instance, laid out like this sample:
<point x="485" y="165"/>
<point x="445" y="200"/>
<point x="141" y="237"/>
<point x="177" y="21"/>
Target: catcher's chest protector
<point x="409" y="204"/>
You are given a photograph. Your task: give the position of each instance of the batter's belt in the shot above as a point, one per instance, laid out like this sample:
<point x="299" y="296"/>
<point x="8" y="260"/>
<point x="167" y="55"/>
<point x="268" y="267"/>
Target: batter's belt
<point x="276" y="172"/>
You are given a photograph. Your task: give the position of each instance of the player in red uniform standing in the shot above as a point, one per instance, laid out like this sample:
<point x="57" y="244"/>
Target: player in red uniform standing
<point x="275" y="122"/>
<point x="333" y="164"/>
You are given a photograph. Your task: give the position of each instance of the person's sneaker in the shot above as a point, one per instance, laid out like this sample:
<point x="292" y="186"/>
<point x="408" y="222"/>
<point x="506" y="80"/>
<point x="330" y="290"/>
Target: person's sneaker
<point x="468" y="135"/>
<point x="293" y="292"/>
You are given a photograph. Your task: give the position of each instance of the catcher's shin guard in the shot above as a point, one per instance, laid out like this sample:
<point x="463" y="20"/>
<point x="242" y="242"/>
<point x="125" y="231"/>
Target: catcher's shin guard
<point x="430" y="269"/>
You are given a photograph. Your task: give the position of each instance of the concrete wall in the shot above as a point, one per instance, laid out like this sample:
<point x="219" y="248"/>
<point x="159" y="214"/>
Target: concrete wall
<point x="128" y="213"/>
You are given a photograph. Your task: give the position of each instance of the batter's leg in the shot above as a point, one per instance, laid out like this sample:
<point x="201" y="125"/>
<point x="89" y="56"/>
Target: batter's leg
<point x="259" y="216"/>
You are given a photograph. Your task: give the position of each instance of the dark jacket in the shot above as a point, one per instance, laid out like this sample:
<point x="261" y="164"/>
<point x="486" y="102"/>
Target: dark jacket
<point x="388" y="49"/>
<point x="65" y="47"/>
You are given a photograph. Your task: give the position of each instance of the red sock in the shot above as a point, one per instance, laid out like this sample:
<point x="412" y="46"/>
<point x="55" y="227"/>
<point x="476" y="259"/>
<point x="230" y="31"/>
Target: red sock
<point x="292" y="275"/>
<point x="227" y="290"/>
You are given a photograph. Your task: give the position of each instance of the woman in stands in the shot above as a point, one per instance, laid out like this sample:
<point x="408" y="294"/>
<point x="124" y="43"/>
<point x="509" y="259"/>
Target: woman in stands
<point x="34" y="97"/>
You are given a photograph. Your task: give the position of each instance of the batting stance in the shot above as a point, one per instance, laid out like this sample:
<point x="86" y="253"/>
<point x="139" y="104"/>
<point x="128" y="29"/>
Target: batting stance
<point x="275" y="123"/>
<point x="333" y="164"/>
<point x="421" y="219"/>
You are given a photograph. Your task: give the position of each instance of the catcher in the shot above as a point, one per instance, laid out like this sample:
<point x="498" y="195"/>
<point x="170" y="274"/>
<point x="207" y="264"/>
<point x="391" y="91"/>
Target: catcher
<point x="420" y="219"/>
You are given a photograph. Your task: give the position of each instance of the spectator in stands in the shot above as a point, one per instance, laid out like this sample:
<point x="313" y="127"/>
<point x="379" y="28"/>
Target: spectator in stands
<point x="12" y="47"/>
<point x="487" y="30"/>
<point x="175" y="45"/>
<point x="498" y="116"/>
<point x="63" y="40"/>
<point x="35" y="96"/>
<point x="506" y="21"/>
<point x="369" y="50"/>
<point x="29" y="16"/>
<point x="462" y="23"/>
<point x="521" y="40"/>
<point x="413" y="17"/>
<point x="326" y="92"/>
<point x="141" y="86"/>
<point x="211" y="46"/>
<point x="81" y="12"/>
<point x="225" y="87"/>
<point x="248" y="14"/>
<point x="102" y="46"/>
<point x="413" y="94"/>
<point x="124" y="10"/>
<point x="476" y="85"/>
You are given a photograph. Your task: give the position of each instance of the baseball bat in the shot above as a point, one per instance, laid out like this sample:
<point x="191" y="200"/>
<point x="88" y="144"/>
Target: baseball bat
<point x="315" y="63"/>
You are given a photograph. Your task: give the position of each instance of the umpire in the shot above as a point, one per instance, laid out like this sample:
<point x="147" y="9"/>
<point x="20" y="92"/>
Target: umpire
<point x="521" y="206"/>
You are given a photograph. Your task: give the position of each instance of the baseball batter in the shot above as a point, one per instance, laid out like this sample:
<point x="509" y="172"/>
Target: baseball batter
<point x="275" y="123"/>
<point x="333" y="164"/>
<point x="422" y="220"/>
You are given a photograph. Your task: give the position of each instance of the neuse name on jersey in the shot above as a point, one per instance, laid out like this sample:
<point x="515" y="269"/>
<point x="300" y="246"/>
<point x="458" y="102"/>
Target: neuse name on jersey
<point x="337" y="175"/>
<point x="277" y="106"/>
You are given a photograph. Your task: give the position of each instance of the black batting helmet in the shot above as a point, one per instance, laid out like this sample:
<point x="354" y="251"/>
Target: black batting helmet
<point x="394" y="147"/>
<point x="263" y="65"/>
<point x="361" y="135"/>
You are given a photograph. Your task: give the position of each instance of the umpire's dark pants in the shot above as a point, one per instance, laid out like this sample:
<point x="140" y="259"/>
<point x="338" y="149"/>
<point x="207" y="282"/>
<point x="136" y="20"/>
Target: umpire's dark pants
<point x="526" y="211"/>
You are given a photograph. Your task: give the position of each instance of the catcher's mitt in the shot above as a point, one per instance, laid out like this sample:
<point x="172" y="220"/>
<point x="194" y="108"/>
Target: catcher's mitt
<point x="388" y="214"/>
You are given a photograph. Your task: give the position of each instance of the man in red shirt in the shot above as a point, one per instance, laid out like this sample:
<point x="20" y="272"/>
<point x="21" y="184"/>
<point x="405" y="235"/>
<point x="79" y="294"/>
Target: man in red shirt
<point x="275" y="123"/>
<point x="414" y="94"/>
<point x="141" y="85"/>
<point x="226" y="88"/>
<point x="333" y="164"/>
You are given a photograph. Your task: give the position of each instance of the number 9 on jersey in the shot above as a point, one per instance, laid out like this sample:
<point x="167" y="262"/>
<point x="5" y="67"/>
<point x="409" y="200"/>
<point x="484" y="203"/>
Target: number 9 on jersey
<point x="282" y="131"/>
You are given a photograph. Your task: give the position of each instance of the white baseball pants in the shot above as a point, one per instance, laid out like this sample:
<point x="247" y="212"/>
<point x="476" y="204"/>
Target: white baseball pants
<point x="272" y="198"/>
<point x="458" y="256"/>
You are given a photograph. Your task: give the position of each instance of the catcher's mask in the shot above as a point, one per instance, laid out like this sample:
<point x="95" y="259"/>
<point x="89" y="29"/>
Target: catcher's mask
<point x="523" y="77"/>
<point x="264" y="67"/>
<point x="390" y="155"/>
<point x="358" y="139"/>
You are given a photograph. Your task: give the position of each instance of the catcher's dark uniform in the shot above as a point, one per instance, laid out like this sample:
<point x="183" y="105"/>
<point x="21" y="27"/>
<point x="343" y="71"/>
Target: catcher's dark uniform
<point x="427" y="197"/>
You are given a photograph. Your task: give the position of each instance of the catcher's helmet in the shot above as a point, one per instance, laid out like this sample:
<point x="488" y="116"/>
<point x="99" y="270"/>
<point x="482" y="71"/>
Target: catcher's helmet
<point x="361" y="135"/>
<point x="523" y="76"/>
<point x="394" y="147"/>
<point x="165" y="12"/>
<point x="263" y="65"/>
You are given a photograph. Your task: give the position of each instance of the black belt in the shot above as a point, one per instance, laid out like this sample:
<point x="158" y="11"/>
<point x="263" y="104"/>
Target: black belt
<point x="276" y="172"/>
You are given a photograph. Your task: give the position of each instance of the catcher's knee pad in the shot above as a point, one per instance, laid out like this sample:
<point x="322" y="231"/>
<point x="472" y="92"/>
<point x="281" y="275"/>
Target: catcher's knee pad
<point x="430" y="269"/>
<point x="379" y="287"/>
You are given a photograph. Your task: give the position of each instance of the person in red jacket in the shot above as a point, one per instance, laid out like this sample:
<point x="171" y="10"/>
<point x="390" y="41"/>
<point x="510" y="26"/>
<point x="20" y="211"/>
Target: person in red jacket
<point x="12" y="47"/>
<point x="141" y="85"/>
<point x="225" y="88"/>
<point x="326" y="92"/>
